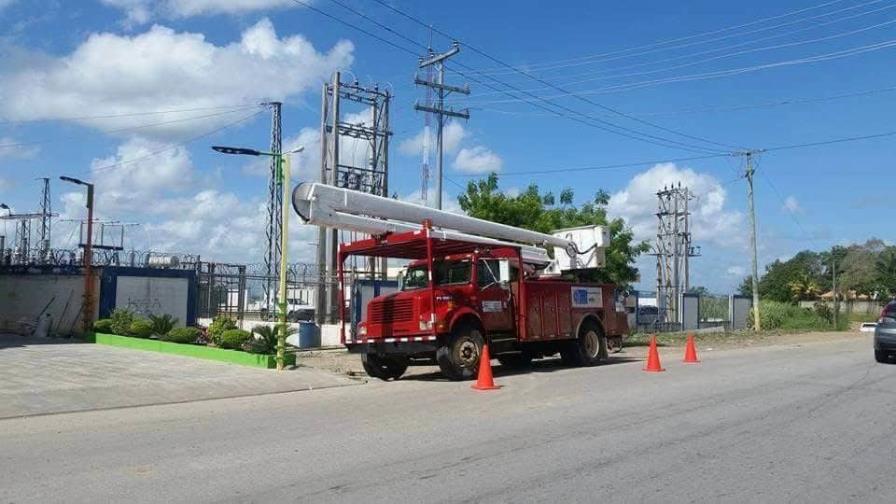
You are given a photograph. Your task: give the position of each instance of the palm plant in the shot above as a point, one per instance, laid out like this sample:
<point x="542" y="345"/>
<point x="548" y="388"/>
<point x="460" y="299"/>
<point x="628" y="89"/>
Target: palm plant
<point x="162" y="324"/>
<point x="266" y="338"/>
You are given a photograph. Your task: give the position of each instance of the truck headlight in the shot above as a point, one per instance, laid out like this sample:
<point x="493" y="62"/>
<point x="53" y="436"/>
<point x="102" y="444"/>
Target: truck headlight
<point x="362" y="330"/>
<point x="425" y="325"/>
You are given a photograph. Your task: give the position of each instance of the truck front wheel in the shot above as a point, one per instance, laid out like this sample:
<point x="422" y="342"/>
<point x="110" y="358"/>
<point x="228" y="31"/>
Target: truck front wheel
<point x="458" y="358"/>
<point x="586" y="350"/>
<point x="384" y="368"/>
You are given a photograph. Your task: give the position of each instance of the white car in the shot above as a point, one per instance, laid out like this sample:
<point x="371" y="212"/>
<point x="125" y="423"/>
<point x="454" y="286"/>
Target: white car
<point x="868" y="327"/>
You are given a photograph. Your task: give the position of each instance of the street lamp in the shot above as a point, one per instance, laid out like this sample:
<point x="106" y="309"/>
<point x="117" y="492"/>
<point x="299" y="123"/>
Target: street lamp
<point x="283" y="180"/>
<point x="88" y="254"/>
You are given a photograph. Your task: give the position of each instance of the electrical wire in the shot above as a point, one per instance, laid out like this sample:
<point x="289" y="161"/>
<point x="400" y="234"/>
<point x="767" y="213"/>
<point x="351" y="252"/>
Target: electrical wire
<point x="690" y="147"/>
<point x="720" y="73"/>
<point x="128" y="128"/>
<point x="619" y="54"/>
<point x="176" y="145"/>
<point x="125" y="114"/>
<point x="590" y="121"/>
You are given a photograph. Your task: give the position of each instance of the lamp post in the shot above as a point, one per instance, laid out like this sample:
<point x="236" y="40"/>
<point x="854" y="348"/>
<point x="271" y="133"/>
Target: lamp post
<point x="87" y="314"/>
<point x="283" y="180"/>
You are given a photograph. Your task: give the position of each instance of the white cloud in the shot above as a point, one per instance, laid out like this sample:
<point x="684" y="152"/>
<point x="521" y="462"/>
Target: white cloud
<point x="452" y="136"/>
<point x="449" y="203"/>
<point x="141" y="11"/>
<point x="10" y="148"/>
<point x="5" y="3"/>
<point x="792" y="205"/>
<point x="161" y="69"/>
<point x="736" y="271"/>
<point x="139" y="174"/>
<point x="477" y="160"/>
<point x="710" y="221"/>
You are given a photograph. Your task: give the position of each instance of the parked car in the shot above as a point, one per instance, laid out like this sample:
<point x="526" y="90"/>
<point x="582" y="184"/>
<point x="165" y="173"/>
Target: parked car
<point x="885" y="334"/>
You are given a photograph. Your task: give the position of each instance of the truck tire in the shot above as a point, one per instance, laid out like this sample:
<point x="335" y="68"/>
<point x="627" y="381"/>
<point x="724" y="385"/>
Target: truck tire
<point x="517" y="360"/>
<point x="384" y="368"/>
<point x="588" y="349"/>
<point x="458" y="358"/>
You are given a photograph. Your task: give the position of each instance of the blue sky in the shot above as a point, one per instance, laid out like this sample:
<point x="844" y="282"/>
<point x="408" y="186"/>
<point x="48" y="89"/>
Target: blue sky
<point x="64" y="63"/>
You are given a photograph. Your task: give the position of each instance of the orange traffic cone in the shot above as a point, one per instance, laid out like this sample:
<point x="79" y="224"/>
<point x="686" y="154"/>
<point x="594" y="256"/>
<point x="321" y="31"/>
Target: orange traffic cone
<point x="485" y="380"/>
<point x="653" y="358"/>
<point x="690" y="351"/>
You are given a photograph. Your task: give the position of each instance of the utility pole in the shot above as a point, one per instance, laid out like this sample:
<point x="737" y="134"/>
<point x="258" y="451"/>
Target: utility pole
<point x="438" y="108"/>
<point x="757" y="325"/>
<point x="274" y="222"/>
<point x="673" y="249"/>
<point x="46" y="212"/>
<point x="338" y="169"/>
<point x="834" y="286"/>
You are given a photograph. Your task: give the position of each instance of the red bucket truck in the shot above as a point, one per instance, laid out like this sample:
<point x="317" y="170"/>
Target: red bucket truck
<point x="468" y="282"/>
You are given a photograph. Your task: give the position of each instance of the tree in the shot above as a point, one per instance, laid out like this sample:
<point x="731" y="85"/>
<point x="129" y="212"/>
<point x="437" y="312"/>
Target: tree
<point x="539" y="212"/>
<point x="746" y="286"/>
<point x="780" y="276"/>
<point x="885" y="267"/>
<point x="804" y="287"/>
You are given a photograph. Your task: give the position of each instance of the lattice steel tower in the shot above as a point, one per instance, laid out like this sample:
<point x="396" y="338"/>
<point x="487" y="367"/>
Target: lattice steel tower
<point x="274" y="221"/>
<point x="672" y="250"/>
<point x="370" y="175"/>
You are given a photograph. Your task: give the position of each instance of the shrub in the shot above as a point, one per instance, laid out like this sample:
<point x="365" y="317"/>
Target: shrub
<point x="786" y="316"/>
<point x="162" y="324"/>
<point x="234" y="338"/>
<point x="218" y="327"/>
<point x="140" y="328"/>
<point x="121" y="321"/>
<point x="182" y="335"/>
<point x="266" y="340"/>
<point x="103" y="325"/>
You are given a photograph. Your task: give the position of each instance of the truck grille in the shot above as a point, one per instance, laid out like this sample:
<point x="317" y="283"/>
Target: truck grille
<point x="389" y="310"/>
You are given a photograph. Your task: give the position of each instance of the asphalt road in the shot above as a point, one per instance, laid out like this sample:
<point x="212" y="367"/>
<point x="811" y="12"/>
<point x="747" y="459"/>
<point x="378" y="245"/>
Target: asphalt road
<point x="811" y="423"/>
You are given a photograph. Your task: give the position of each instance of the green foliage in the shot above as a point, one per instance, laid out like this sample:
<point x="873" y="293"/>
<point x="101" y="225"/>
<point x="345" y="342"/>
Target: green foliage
<point x="140" y="328"/>
<point x="122" y="319"/>
<point x="218" y="327"/>
<point x="103" y="326"/>
<point x="533" y="210"/>
<point x="789" y="317"/>
<point x="234" y="338"/>
<point x="885" y="270"/>
<point x="162" y="324"/>
<point x="265" y="341"/>
<point x="182" y="335"/>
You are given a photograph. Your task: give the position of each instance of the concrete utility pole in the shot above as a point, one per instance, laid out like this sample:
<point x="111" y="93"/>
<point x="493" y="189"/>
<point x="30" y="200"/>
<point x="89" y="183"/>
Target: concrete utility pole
<point x="438" y="109"/>
<point x="757" y="326"/>
<point x="834" y="287"/>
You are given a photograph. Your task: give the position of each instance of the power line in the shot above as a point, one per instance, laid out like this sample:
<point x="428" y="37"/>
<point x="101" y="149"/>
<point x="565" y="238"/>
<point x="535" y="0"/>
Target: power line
<point x="605" y="76"/>
<point x="125" y="114"/>
<point x="177" y="145"/>
<point x="695" y="158"/>
<point x="720" y="73"/>
<point x="129" y="128"/>
<point x="770" y="104"/>
<point x="583" y="60"/>
<point x="610" y="127"/>
<point x="538" y="79"/>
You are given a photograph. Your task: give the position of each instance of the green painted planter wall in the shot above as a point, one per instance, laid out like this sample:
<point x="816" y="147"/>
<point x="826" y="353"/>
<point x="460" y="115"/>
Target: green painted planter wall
<point x="197" y="351"/>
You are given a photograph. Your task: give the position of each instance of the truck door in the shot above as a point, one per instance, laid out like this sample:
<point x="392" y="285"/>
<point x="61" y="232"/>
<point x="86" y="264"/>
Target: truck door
<point x="494" y="297"/>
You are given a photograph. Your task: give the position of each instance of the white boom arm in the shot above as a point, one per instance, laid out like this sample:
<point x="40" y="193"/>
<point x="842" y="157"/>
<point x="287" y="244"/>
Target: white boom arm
<point x="330" y="206"/>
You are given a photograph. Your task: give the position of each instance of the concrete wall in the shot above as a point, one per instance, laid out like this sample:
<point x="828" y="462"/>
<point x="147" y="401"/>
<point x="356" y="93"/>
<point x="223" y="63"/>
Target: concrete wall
<point x="23" y="296"/>
<point x="854" y="306"/>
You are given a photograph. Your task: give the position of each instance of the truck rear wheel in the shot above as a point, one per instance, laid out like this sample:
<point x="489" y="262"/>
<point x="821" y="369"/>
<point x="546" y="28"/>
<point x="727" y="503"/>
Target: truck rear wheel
<point x="588" y="349"/>
<point x="384" y="368"/>
<point x="458" y="358"/>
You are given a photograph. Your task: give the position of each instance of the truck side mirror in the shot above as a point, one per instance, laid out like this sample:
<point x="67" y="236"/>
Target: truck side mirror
<point x="504" y="271"/>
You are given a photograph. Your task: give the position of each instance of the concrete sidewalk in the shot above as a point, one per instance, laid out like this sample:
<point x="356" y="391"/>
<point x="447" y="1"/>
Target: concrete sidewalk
<point x="42" y="376"/>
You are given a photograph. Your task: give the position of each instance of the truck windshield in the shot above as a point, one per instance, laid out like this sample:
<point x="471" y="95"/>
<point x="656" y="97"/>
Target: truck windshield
<point x="446" y="273"/>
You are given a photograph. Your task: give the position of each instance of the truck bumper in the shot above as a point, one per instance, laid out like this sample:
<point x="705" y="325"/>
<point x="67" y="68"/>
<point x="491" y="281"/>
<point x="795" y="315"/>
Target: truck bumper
<point x="382" y="346"/>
